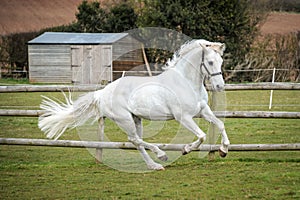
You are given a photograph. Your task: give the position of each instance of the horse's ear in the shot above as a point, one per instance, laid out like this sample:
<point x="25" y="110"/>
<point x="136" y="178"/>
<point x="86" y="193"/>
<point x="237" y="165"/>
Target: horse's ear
<point x="222" y="48"/>
<point x="205" y="46"/>
<point x="219" y="48"/>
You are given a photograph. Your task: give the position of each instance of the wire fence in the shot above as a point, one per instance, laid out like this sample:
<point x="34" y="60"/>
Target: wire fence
<point x="263" y="103"/>
<point x="238" y="75"/>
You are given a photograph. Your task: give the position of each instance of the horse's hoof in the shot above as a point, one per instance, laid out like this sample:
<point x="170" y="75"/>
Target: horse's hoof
<point x="163" y="158"/>
<point x="185" y="151"/>
<point x="156" y="166"/>
<point x="161" y="169"/>
<point x="222" y="153"/>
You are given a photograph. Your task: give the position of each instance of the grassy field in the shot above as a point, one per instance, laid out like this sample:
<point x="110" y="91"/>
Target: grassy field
<point x="66" y="173"/>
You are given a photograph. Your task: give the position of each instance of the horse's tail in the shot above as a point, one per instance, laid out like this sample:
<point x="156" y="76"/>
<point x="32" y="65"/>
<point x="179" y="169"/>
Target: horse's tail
<point x="59" y="116"/>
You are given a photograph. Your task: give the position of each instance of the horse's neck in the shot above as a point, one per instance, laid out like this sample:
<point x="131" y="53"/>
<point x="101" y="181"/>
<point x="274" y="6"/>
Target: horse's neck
<point x="189" y="67"/>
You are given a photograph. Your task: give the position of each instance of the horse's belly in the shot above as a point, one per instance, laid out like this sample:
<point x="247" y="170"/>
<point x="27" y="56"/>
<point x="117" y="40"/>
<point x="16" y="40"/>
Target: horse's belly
<point x="152" y="102"/>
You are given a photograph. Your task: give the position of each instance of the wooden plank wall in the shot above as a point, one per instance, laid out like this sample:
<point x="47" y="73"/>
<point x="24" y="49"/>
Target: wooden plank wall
<point x="120" y="66"/>
<point x="49" y="63"/>
<point x="127" y="49"/>
<point x="85" y="64"/>
<point x="127" y="54"/>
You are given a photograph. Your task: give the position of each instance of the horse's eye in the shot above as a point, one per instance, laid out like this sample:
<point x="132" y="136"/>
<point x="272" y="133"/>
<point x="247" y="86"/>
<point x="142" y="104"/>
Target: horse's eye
<point x="211" y="63"/>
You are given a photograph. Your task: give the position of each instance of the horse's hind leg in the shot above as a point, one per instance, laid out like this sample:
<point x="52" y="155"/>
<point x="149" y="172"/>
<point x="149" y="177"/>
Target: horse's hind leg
<point x="209" y="116"/>
<point x="128" y="124"/>
<point x="150" y="163"/>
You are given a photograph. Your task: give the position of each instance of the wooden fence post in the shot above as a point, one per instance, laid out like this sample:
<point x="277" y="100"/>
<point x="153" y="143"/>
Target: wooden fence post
<point x="212" y="128"/>
<point x="146" y="61"/>
<point x="218" y="102"/>
<point x="100" y="133"/>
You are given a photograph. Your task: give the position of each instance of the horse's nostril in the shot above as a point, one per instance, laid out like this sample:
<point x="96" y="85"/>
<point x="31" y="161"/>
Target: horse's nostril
<point x="219" y="87"/>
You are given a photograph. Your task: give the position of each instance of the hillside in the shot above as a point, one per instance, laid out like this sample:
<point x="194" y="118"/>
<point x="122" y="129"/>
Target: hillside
<point x="32" y="15"/>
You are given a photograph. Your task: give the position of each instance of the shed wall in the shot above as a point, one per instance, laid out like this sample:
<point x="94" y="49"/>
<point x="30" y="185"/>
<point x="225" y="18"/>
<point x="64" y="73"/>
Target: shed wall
<point x="49" y="63"/>
<point x="127" y="49"/>
<point x="82" y="63"/>
<point x="127" y="55"/>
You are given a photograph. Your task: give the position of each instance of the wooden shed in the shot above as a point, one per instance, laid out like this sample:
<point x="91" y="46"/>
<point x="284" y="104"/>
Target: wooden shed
<point x="84" y="58"/>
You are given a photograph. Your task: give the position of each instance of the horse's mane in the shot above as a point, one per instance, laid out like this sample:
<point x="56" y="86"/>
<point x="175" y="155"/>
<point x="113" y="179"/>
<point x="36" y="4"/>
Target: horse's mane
<point x="186" y="47"/>
<point x="190" y="45"/>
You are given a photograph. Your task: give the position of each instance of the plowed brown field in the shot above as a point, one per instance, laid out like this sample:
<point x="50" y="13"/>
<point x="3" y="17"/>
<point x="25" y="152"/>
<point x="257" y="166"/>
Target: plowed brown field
<point x="281" y="23"/>
<point x="32" y="15"/>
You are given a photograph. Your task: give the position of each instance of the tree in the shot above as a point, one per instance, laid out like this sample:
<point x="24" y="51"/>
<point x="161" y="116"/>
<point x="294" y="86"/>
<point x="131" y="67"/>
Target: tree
<point x="91" y="17"/>
<point x="121" y="18"/>
<point x="14" y="49"/>
<point x="226" y="21"/>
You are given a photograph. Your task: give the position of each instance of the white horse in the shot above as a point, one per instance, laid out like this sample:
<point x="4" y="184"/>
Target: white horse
<point x="177" y="93"/>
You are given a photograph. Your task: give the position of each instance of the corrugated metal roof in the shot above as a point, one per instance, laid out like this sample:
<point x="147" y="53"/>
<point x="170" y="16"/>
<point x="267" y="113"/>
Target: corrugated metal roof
<point x="77" y="38"/>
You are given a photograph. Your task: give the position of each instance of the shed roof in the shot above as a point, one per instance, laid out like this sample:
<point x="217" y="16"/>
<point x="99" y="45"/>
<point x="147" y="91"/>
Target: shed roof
<point x="77" y="38"/>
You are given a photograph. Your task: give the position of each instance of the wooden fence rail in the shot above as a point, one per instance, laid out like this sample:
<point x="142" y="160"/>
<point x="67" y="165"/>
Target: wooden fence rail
<point x="127" y="145"/>
<point x="172" y="147"/>
<point x="49" y="88"/>
<point x="263" y="86"/>
<point x="84" y="88"/>
<point x="220" y="114"/>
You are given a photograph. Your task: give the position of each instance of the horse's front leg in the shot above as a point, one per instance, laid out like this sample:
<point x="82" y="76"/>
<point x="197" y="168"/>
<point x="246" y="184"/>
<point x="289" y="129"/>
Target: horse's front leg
<point x="190" y="124"/>
<point x="208" y="115"/>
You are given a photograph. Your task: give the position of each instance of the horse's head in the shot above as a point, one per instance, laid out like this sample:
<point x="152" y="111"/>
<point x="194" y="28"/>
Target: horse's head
<point x="211" y="63"/>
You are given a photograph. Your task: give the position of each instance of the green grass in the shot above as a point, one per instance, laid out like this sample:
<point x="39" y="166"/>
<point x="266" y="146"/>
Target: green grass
<point x="283" y="100"/>
<point x="70" y="173"/>
<point x="25" y="100"/>
<point x="12" y="81"/>
<point x="76" y="176"/>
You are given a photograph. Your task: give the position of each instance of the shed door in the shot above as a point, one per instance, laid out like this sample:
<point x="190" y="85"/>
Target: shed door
<point x="91" y="64"/>
<point x="102" y="63"/>
<point x="76" y="63"/>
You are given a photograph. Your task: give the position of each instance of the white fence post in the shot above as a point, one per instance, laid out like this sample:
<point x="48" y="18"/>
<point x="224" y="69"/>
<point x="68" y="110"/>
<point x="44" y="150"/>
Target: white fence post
<point x="98" y="155"/>
<point x="271" y="94"/>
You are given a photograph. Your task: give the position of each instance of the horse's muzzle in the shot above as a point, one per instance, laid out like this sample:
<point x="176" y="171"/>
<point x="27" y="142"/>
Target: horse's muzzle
<point x="219" y="88"/>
